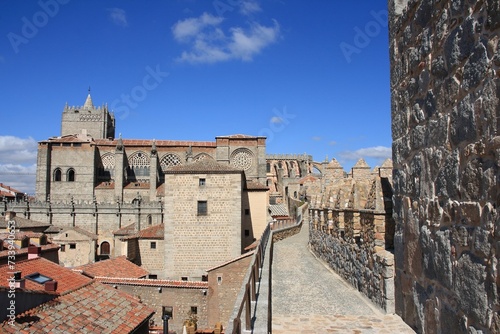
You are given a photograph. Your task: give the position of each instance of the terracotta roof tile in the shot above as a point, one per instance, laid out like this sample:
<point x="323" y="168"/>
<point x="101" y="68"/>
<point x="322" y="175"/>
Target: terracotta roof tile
<point x="203" y="166"/>
<point x="9" y="188"/>
<point x="154" y="282"/>
<point x="278" y="210"/>
<point x="22" y="251"/>
<point x="158" y="143"/>
<point x="115" y="267"/>
<point x="94" y="308"/>
<point x="126" y="230"/>
<point x="23" y="223"/>
<point x="81" y="231"/>
<point x="153" y="232"/>
<point x="66" y="279"/>
<point x="253" y="185"/>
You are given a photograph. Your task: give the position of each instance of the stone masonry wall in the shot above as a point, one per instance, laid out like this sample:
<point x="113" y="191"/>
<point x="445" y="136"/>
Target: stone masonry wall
<point x="181" y="299"/>
<point x="445" y="58"/>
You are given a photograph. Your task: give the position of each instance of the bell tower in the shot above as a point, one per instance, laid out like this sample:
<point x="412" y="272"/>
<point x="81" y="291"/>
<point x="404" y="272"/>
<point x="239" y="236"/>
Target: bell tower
<point x="97" y="122"/>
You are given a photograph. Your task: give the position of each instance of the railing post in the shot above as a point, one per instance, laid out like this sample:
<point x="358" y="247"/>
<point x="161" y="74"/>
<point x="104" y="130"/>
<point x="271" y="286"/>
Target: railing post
<point x="248" y="307"/>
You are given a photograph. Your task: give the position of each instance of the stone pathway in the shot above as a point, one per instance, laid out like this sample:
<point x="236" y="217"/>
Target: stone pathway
<point x="307" y="297"/>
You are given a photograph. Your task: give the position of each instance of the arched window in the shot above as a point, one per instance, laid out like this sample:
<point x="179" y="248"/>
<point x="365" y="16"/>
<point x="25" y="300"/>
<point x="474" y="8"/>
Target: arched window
<point x="70" y="175"/>
<point x="150" y="220"/>
<point x="105" y="249"/>
<point x="57" y="174"/>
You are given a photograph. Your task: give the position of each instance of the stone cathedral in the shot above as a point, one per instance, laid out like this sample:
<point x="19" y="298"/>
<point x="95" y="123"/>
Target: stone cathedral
<point x="209" y="196"/>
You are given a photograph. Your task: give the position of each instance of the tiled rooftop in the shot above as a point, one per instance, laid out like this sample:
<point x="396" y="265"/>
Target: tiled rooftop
<point x="253" y="185"/>
<point x="23" y="223"/>
<point x="153" y="232"/>
<point x="154" y="282"/>
<point x="278" y="210"/>
<point x="22" y="251"/>
<point x="76" y="138"/>
<point x="126" y="230"/>
<point x="81" y="231"/>
<point x="66" y="279"/>
<point x="10" y="189"/>
<point x="115" y="267"/>
<point x="94" y="308"/>
<point x="203" y="166"/>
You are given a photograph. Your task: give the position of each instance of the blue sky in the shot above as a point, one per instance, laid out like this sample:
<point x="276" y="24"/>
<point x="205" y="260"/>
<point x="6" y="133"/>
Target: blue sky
<point x="311" y="76"/>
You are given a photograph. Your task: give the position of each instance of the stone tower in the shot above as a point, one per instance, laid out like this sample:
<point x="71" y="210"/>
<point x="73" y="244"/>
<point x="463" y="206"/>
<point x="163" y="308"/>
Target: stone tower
<point x="445" y="58"/>
<point x="94" y="121"/>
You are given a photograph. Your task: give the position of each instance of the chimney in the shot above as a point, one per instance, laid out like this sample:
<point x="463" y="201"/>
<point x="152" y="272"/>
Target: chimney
<point x="9" y="215"/>
<point x="19" y="282"/>
<point x="51" y="286"/>
<point x="34" y="252"/>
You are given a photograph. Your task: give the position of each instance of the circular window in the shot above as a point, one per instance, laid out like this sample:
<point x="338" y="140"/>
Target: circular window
<point x="242" y="159"/>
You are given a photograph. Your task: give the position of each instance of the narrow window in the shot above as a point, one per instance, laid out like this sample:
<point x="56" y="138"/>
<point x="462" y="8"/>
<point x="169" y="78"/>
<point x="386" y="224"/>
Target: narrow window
<point x="201" y="182"/>
<point x="57" y="175"/>
<point x="63" y="248"/>
<point x="71" y="175"/>
<point x="247" y="212"/>
<point x="72" y="246"/>
<point x="184" y="278"/>
<point x="247" y="233"/>
<point x="151" y="276"/>
<point x="202" y="208"/>
<point x="194" y="310"/>
<point x="219" y="280"/>
<point x="153" y="244"/>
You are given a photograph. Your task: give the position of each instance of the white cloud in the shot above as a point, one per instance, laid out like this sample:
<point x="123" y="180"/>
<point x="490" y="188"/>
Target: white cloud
<point x="209" y="43"/>
<point x="379" y="153"/>
<point x="185" y="29"/>
<point x="17" y="150"/>
<point x="18" y="163"/>
<point x="118" y="16"/>
<point x="249" y="7"/>
<point x="19" y="177"/>
<point x="316" y="138"/>
<point x="276" y="120"/>
<point x="332" y="143"/>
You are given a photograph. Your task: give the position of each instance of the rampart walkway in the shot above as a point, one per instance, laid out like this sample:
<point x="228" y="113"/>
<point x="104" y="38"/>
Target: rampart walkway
<point x="307" y="297"/>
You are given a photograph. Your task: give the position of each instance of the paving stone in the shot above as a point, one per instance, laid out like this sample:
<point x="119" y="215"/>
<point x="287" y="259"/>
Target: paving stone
<point x="307" y="297"/>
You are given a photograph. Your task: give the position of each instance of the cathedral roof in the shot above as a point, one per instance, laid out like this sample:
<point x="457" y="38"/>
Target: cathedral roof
<point x="158" y="143"/>
<point x="203" y="166"/>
